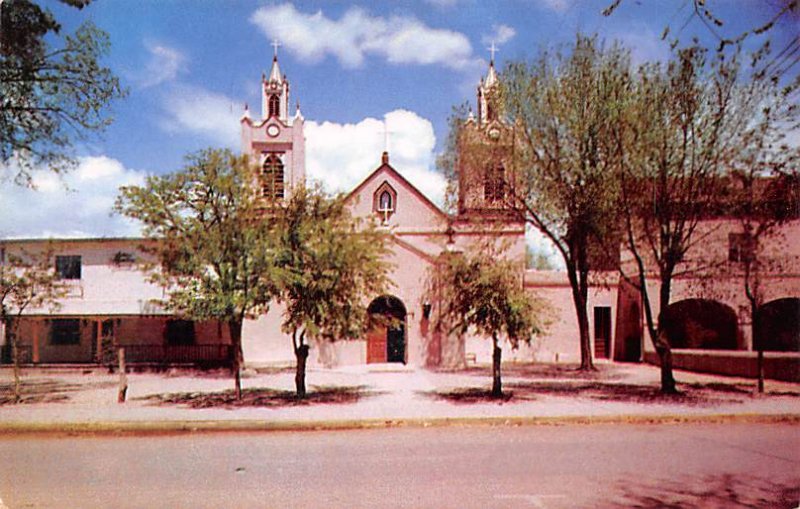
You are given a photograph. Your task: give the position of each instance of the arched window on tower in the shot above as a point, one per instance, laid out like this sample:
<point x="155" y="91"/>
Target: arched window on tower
<point x="274" y="106"/>
<point x="494" y="184"/>
<point x="272" y="178"/>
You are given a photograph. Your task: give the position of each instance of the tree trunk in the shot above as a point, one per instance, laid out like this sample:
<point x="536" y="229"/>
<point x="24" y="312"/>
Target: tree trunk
<point x="301" y="353"/>
<point x="579" y="299"/>
<point x="497" y="383"/>
<point x="15" y="361"/>
<point x="661" y="341"/>
<point x="235" y="328"/>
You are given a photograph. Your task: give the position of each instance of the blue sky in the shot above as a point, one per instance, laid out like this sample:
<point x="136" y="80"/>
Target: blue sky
<point x="191" y="65"/>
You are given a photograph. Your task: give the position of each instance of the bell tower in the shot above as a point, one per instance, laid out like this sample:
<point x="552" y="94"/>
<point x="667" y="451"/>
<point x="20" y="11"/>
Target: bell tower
<point x="485" y="151"/>
<point x="275" y="143"/>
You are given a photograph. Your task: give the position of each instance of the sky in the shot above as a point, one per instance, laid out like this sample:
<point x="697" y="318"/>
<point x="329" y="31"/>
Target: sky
<point x="356" y="68"/>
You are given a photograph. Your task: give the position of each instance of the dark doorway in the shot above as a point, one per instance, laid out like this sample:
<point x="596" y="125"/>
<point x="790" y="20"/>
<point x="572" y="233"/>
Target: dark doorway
<point x="386" y="338"/>
<point x="777" y="326"/>
<point x="700" y="323"/>
<point x="179" y="332"/>
<point x="602" y="332"/>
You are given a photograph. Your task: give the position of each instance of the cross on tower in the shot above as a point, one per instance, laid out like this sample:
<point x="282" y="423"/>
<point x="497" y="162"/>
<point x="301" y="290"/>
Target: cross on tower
<point x="275" y="45"/>
<point x="492" y="50"/>
<point x="386" y="132"/>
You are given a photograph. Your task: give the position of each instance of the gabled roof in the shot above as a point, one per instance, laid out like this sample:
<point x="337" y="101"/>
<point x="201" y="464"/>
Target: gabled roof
<point x="386" y="167"/>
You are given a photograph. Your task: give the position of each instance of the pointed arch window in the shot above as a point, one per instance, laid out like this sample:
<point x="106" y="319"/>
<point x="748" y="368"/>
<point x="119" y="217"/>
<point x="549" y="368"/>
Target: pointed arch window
<point x="274" y="106"/>
<point x="272" y="185"/>
<point x="494" y="184"/>
<point x="385" y="202"/>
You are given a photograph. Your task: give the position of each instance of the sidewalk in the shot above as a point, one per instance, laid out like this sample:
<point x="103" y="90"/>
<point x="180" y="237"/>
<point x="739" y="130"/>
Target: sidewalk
<point x="374" y="396"/>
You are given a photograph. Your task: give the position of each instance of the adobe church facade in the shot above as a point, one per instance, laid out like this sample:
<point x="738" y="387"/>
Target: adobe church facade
<point x="110" y="300"/>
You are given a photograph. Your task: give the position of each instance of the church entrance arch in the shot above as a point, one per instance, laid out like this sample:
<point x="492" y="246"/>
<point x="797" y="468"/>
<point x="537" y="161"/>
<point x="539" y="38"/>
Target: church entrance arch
<point x="386" y="338"/>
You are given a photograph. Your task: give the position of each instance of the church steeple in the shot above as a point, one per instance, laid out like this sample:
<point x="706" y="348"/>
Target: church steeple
<point x="275" y="91"/>
<point x="487" y="93"/>
<point x="275" y="142"/>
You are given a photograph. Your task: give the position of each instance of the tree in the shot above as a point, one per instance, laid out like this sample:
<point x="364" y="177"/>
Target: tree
<point x="218" y="255"/>
<point x="484" y="292"/>
<point x="764" y="192"/>
<point x="26" y="281"/>
<point x="332" y="263"/>
<point x="676" y="145"/>
<point x="563" y="109"/>
<point x="50" y="97"/>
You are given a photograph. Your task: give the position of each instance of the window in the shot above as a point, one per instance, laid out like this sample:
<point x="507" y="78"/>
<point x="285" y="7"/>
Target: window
<point x="384" y="202"/>
<point x="65" y="332"/>
<point x="274" y="106"/>
<point x="741" y="247"/>
<point x="68" y="267"/>
<point x="180" y="332"/>
<point x="494" y="184"/>
<point x="272" y="187"/>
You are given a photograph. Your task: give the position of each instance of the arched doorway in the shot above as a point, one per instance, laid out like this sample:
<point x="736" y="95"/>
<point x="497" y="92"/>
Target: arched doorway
<point x="701" y="323"/>
<point x="777" y="326"/>
<point x="386" y="339"/>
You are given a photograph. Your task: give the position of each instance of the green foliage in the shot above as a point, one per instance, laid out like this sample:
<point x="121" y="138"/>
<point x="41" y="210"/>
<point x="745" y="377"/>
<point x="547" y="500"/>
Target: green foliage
<point x="565" y="107"/>
<point x="485" y="293"/>
<point x="50" y="97"/>
<point x="218" y="255"/>
<point x="447" y="161"/>
<point x="333" y="262"/>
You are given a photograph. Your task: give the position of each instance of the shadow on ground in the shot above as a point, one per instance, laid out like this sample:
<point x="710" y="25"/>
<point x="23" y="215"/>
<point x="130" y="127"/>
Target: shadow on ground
<point x="548" y="371"/>
<point x="718" y="491"/>
<point x="44" y="391"/>
<point x="260" y="397"/>
<point x="696" y="394"/>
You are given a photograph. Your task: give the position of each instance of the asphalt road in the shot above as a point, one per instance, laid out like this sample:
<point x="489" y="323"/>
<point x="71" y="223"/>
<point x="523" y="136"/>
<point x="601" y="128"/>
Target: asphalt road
<point x="538" y="467"/>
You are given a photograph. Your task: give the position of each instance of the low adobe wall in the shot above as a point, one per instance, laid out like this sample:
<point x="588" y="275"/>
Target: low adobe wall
<point x="777" y="365"/>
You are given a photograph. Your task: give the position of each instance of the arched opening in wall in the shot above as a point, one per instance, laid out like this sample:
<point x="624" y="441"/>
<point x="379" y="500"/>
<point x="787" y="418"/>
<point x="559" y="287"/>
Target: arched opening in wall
<point x="274" y="107"/>
<point x="272" y="185"/>
<point x="494" y="184"/>
<point x="777" y="326"/>
<point x="702" y="324"/>
<point x="386" y="337"/>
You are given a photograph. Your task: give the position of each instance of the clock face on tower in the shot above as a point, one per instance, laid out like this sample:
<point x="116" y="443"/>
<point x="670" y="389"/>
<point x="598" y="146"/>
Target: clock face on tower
<point x="273" y="130"/>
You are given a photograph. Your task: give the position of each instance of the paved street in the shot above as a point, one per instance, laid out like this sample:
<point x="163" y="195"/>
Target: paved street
<point x="540" y="466"/>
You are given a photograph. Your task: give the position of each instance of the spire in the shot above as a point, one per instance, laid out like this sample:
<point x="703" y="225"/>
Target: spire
<point x="491" y="76"/>
<point x="275" y="72"/>
<point x="297" y="114"/>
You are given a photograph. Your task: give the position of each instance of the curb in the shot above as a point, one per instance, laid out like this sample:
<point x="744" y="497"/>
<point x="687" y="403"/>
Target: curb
<point x="252" y="426"/>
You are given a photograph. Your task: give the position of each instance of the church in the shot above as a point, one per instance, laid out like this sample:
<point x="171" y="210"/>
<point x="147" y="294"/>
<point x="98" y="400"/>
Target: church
<point x="111" y="303"/>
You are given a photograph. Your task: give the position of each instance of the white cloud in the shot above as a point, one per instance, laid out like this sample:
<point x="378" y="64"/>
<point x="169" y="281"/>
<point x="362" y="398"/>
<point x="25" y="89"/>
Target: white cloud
<point x="77" y="205"/>
<point x="342" y="155"/>
<point x="164" y="65"/>
<point x="354" y="36"/>
<point x="500" y="34"/>
<point x="195" y="110"/>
